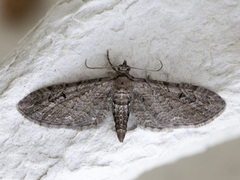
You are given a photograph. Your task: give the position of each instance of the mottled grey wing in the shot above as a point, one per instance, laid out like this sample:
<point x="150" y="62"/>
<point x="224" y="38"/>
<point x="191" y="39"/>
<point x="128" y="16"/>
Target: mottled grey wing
<point x="159" y="104"/>
<point x="73" y="105"/>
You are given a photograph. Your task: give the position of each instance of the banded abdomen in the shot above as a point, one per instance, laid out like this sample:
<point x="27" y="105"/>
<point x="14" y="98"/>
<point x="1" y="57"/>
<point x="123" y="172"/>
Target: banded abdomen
<point x="121" y="107"/>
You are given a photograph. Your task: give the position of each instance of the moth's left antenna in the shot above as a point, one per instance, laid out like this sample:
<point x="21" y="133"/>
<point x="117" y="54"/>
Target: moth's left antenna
<point x="102" y="67"/>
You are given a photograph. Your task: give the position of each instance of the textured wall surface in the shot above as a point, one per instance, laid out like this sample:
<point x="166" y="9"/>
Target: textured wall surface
<point x="198" y="43"/>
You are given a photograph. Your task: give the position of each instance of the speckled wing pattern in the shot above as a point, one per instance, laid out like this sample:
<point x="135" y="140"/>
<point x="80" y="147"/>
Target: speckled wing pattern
<point x="155" y="104"/>
<point x="159" y="104"/>
<point x="73" y="105"/>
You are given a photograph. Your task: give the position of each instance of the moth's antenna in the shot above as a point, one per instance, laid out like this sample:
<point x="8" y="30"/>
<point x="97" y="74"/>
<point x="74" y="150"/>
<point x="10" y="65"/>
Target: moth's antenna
<point x="161" y="66"/>
<point x="113" y="67"/>
<point x="103" y="67"/>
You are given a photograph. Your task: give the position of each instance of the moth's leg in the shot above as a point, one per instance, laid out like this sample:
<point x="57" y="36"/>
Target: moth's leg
<point x="109" y="61"/>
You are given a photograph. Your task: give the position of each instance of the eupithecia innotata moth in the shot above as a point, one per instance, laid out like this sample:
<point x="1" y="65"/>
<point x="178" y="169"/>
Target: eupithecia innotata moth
<point x="154" y="104"/>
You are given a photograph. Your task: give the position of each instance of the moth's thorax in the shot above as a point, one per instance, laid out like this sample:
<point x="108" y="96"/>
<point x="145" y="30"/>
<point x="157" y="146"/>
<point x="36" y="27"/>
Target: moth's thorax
<point x="123" y="81"/>
<point x="121" y="105"/>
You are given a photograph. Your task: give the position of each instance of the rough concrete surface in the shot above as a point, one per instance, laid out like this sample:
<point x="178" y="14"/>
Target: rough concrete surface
<point x="197" y="41"/>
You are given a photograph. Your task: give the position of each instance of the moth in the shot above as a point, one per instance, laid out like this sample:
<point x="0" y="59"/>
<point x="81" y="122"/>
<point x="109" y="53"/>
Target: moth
<point x="154" y="104"/>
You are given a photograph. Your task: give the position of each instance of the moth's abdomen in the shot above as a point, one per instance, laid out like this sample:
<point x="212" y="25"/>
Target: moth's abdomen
<point x="121" y="105"/>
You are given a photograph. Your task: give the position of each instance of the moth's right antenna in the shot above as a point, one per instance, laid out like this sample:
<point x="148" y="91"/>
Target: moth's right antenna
<point x="161" y="66"/>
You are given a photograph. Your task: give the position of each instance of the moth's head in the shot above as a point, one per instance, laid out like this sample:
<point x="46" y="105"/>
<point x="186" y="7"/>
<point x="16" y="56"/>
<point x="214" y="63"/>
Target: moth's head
<point x="123" y="68"/>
